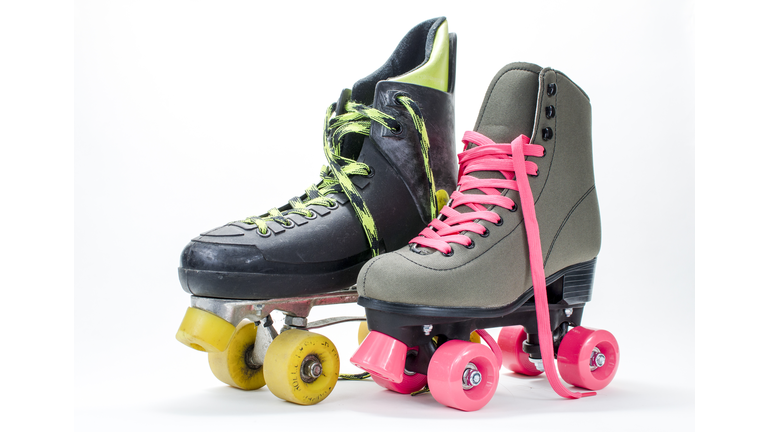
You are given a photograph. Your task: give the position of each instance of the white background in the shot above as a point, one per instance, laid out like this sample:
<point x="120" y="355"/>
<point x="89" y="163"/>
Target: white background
<point x="191" y="114"/>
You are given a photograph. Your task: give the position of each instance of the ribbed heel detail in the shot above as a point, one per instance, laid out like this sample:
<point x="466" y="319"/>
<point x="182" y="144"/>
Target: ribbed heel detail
<point x="578" y="282"/>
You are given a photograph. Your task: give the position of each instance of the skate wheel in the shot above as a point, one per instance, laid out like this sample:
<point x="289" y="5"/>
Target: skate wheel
<point x="362" y="332"/>
<point x="441" y="196"/>
<point x="588" y="358"/>
<point x="408" y="385"/>
<point x="463" y="375"/>
<point x="514" y="358"/>
<point x="231" y="366"/>
<point x="301" y="367"/>
<point x="474" y="337"/>
<point x="204" y="331"/>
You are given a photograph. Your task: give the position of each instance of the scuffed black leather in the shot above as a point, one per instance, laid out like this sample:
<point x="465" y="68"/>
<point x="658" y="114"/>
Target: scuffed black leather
<point x="437" y="108"/>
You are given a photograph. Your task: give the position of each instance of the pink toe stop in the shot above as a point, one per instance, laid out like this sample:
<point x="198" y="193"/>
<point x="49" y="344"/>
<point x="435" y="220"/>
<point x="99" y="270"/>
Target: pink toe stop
<point x="381" y="355"/>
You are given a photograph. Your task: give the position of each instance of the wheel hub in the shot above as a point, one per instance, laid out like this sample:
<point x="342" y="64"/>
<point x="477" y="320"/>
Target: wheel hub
<point x="311" y="368"/>
<point x="249" y="358"/>
<point x="597" y="360"/>
<point x="471" y="377"/>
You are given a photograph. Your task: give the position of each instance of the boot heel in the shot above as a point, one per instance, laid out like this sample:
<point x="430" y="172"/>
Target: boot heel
<point x="578" y="281"/>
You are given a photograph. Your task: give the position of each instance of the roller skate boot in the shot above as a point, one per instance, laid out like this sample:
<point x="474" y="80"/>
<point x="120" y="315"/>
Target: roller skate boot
<point x="516" y="246"/>
<point x="389" y="144"/>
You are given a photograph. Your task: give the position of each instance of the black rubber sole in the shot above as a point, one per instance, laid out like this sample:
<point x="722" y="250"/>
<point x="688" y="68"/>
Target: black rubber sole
<point x="257" y="286"/>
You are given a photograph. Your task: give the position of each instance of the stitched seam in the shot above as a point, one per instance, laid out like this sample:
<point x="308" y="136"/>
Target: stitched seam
<point x="552" y="245"/>
<point x="370" y="264"/>
<point x="583" y="197"/>
<point x="468" y="262"/>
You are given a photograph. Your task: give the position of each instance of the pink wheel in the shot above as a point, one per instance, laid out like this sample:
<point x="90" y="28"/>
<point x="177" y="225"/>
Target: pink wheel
<point x="463" y="375"/>
<point x="588" y="358"/>
<point x="408" y="385"/>
<point x="511" y="342"/>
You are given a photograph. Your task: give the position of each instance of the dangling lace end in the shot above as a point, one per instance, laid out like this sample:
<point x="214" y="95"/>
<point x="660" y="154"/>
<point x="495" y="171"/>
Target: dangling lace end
<point x="537" y="273"/>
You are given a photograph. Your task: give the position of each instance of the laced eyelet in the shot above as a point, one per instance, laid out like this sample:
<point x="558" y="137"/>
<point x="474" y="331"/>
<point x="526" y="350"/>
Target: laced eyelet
<point x="449" y="254"/>
<point x="289" y="225"/>
<point x="551" y="89"/>
<point x="371" y="173"/>
<point x="471" y="244"/>
<point x="334" y="206"/>
<point x="312" y="215"/>
<point x="397" y="130"/>
<point x="269" y="233"/>
<point x="537" y="174"/>
<point x="500" y="222"/>
<point x="486" y="233"/>
<point x="545" y="153"/>
<point x="397" y="96"/>
<point x="514" y="208"/>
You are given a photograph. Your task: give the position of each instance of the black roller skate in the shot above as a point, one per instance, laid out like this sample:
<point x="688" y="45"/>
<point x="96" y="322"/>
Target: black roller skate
<point x="389" y="143"/>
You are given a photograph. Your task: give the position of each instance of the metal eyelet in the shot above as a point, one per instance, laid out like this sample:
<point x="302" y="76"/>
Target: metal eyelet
<point x="449" y="254"/>
<point x="372" y="173"/>
<point x="537" y="174"/>
<point x="397" y="95"/>
<point x="312" y="215"/>
<point x="269" y="233"/>
<point x="398" y="130"/>
<point x="290" y="225"/>
<point x="471" y="244"/>
<point x="334" y="206"/>
<point x="500" y="222"/>
<point x="545" y="153"/>
<point x="550" y="111"/>
<point x="514" y="208"/>
<point x="486" y="233"/>
<point x="547" y="134"/>
<point x="551" y="89"/>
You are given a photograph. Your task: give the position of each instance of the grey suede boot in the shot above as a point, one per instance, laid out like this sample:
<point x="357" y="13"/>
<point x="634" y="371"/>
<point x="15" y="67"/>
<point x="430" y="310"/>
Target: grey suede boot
<point x="480" y="262"/>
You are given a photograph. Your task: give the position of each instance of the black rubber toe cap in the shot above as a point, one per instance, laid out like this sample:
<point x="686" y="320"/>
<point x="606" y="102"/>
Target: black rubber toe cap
<point x="242" y="272"/>
<point x="200" y="255"/>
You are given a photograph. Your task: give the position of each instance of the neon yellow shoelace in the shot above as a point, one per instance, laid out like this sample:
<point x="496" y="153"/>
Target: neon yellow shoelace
<point x="335" y="177"/>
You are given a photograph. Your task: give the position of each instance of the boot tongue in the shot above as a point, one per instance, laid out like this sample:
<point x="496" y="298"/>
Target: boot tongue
<point x="504" y="118"/>
<point x="412" y="51"/>
<point x="509" y="108"/>
<point x="478" y="175"/>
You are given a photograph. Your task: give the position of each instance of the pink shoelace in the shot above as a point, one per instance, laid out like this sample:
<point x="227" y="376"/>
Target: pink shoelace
<point x="507" y="159"/>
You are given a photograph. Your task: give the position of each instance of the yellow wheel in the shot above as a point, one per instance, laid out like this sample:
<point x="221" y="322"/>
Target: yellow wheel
<point x="441" y="196"/>
<point x="301" y="367"/>
<point x="362" y="332"/>
<point x="474" y="337"/>
<point x="233" y="366"/>
<point x="204" y="331"/>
